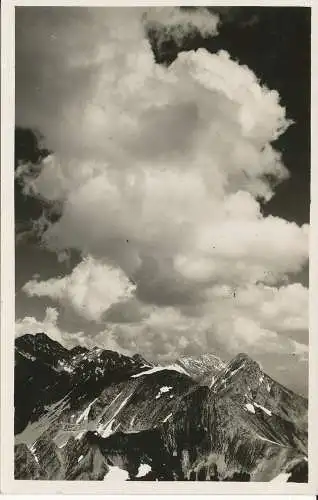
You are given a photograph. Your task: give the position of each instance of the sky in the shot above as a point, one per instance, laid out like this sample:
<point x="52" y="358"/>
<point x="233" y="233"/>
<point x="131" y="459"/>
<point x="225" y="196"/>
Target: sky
<point x="162" y="181"/>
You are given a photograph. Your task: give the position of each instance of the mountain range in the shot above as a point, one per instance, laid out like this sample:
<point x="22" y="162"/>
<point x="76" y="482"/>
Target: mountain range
<point x="94" y="414"/>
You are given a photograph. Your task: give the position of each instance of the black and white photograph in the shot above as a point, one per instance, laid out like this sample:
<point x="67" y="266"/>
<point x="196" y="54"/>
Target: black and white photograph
<point x="161" y="217"/>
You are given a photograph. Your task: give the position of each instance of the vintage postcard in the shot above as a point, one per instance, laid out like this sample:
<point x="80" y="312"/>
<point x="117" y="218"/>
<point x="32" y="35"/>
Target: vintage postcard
<point x="156" y="185"/>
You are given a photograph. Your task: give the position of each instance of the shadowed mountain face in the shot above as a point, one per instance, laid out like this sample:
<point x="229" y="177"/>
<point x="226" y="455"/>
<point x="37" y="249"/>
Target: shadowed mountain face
<point x="93" y="415"/>
<point x="46" y="372"/>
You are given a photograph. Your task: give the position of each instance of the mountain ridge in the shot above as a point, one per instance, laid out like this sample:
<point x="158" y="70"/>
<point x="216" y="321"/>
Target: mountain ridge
<point x="196" y="419"/>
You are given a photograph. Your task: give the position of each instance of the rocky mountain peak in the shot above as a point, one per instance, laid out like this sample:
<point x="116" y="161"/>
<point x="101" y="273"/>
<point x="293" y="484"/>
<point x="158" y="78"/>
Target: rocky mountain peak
<point x="240" y="376"/>
<point x="206" y="365"/>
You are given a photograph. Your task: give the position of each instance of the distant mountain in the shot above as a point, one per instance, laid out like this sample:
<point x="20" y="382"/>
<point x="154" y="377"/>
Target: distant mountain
<point x="206" y="365"/>
<point x="81" y="414"/>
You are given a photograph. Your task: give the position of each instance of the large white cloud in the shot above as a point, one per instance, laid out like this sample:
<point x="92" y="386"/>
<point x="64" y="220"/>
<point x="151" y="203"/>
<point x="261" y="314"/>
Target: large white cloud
<point x="159" y="172"/>
<point x="90" y="289"/>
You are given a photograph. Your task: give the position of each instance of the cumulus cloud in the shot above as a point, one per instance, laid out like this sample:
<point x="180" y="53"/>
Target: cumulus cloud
<point x="178" y="24"/>
<point x="158" y="173"/>
<point x="90" y="289"/>
<point x="50" y="326"/>
<point x="32" y="326"/>
<point x="165" y="333"/>
<point x="230" y="319"/>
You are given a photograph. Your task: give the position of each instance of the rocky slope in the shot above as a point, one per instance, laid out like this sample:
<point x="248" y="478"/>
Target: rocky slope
<point x="94" y="414"/>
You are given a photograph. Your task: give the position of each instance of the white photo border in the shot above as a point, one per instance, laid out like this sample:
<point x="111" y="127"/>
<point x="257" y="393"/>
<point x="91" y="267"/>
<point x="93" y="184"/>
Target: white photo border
<point x="8" y="483"/>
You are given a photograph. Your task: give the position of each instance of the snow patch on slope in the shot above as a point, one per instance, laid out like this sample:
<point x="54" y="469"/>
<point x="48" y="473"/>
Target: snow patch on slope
<point x="27" y="355"/>
<point x="33" y="451"/>
<point x="250" y="407"/>
<point x="116" y="474"/>
<point x="268" y="440"/>
<point x="155" y="369"/>
<point x="233" y="372"/>
<point x="167" y="417"/>
<point x="212" y="382"/>
<point x="281" y="478"/>
<point x="84" y="415"/>
<point x="105" y="430"/>
<point x="265" y="410"/>
<point x="143" y="470"/>
<point x="162" y="390"/>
